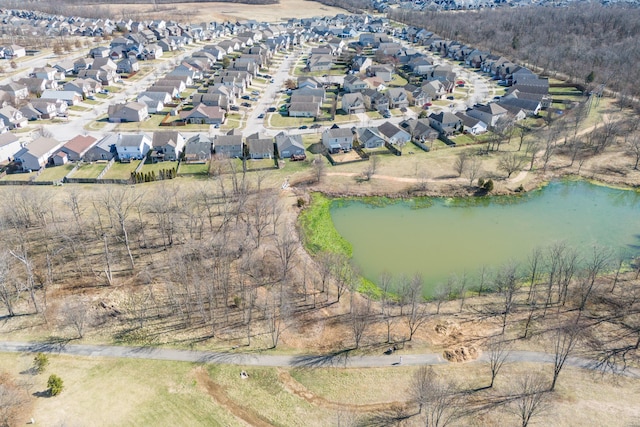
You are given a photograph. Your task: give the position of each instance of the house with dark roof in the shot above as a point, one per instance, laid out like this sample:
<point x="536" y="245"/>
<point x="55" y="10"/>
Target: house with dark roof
<point x="198" y="148"/>
<point x="369" y="137"/>
<point x="290" y="146"/>
<point x="167" y="145"/>
<point x="445" y="122"/>
<point x="128" y="112"/>
<point x="471" y="124"/>
<point x="488" y="113"/>
<point x="203" y="114"/>
<point x="259" y="146"/>
<point x="393" y="134"/>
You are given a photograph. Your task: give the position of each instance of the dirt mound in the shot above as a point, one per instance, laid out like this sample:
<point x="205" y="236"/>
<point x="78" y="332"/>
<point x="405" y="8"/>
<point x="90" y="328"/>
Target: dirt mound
<point x="448" y="329"/>
<point x="461" y="354"/>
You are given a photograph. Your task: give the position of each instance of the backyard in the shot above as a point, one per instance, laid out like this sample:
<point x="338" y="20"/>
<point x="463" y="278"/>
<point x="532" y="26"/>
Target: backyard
<point x="121" y="170"/>
<point x="89" y="170"/>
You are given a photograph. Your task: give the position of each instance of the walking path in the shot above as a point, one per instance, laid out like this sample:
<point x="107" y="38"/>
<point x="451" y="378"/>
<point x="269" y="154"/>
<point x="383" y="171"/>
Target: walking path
<point x="339" y="359"/>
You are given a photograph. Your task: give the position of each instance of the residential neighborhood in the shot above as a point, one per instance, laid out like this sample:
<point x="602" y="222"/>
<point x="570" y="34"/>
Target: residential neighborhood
<point x="257" y="91"/>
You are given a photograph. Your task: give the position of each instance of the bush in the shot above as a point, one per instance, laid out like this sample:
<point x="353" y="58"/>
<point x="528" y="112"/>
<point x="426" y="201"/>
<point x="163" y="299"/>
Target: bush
<point x="40" y="362"/>
<point x="55" y="385"/>
<point x="301" y="202"/>
<point x="480" y="182"/>
<point x="488" y="185"/>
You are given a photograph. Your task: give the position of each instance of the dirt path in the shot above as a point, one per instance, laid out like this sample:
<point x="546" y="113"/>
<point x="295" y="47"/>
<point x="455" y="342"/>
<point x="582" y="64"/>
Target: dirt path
<point x="216" y="391"/>
<point x="294" y="387"/>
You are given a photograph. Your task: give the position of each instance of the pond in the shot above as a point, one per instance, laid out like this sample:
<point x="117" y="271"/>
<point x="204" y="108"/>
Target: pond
<point x="459" y="236"/>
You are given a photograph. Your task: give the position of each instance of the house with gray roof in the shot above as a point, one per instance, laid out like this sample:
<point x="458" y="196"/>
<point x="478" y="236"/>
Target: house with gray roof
<point x="230" y="145"/>
<point x="337" y="139"/>
<point x="132" y="146"/>
<point x="37" y="153"/>
<point x="290" y="146"/>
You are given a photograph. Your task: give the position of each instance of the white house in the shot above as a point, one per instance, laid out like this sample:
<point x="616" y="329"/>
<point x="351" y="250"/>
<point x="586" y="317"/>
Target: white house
<point x="133" y="146"/>
<point x="9" y="146"/>
<point x="36" y="154"/>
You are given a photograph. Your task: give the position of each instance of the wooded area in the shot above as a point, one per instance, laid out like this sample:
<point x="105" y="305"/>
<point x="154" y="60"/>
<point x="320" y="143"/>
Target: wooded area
<point x="590" y="44"/>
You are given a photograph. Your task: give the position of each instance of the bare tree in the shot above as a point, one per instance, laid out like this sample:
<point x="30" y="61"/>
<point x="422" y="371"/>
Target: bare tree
<point x="386" y="303"/>
<point x="506" y="283"/>
<point x="498" y="354"/>
<point x="9" y="290"/>
<point x="318" y="168"/>
<point x="530" y="398"/>
<point x="360" y="320"/>
<point x="473" y="169"/>
<point x="633" y="149"/>
<point x="564" y="341"/>
<point x="510" y="163"/>
<point x="461" y="162"/>
<point x="76" y="315"/>
<point x="438" y="401"/>
<point x="418" y="313"/>
<point x="372" y="167"/>
<point x="120" y="201"/>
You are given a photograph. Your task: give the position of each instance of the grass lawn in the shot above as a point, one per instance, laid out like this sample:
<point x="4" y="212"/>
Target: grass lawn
<point x="98" y="124"/>
<point x="397" y="81"/>
<point x="156" y="167"/>
<point x="89" y="170"/>
<point x="121" y="170"/>
<point x="55" y="173"/>
<point x="260" y="164"/>
<point x="92" y="102"/>
<point x="194" y="169"/>
<point x="278" y="121"/>
<point x="19" y="176"/>
<point x="374" y="115"/>
<point x="78" y="108"/>
<point x="153" y="123"/>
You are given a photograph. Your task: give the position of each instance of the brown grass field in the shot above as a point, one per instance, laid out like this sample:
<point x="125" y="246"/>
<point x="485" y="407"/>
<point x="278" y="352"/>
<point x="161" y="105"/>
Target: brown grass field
<point x="220" y="11"/>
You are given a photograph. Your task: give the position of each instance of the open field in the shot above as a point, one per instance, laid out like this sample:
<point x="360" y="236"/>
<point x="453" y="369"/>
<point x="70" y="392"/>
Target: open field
<point x="193" y="394"/>
<point x="220" y="12"/>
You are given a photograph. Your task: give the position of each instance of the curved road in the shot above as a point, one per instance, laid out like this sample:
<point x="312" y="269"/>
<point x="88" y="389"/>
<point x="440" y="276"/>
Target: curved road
<point x="339" y="359"/>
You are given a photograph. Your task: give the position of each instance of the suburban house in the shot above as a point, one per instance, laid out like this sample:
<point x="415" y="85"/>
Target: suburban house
<point x="203" y="114"/>
<point x="77" y="147"/>
<point x="127" y="66"/>
<point x="12" y="117"/>
<point x="16" y="90"/>
<point x="353" y="103"/>
<point x="393" y="134"/>
<point x="360" y="63"/>
<point x="353" y="83"/>
<point x="155" y="101"/>
<point x="229" y="145"/>
<point x="320" y="63"/>
<point x="83" y="87"/>
<point x="304" y="109"/>
<point x="530" y="106"/>
<point x="375" y="100"/>
<point x="198" y="148"/>
<point x="445" y="122"/>
<point x="309" y="82"/>
<point x="129" y="112"/>
<point x="37" y="153"/>
<point x="30" y="113"/>
<point x="434" y="89"/>
<point x="397" y="97"/>
<point x="369" y="137"/>
<point x="211" y="100"/>
<point x="385" y="72"/>
<point x="9" y="146"/>
<point x="290" y="146"/>
<point x="14" y="51"/>
<point x="167" y="145"/>
<point x="68" y="96"/>
<point x="103" y="150"/>
<point x="420" y="129"/>
<point x="472" y="125"/>
<point x="259" y="146"/>
<point x="337" y="139"/>
<point x="487" y="113"/>
<point x="132" y="146"/>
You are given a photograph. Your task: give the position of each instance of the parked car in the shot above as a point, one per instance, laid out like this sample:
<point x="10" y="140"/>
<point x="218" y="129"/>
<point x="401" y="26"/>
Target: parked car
<point x="315" y="126"/>
<point x="261" y="116"/>
<point x="255" y="92"/>
<point x="234" y="108"/>
<point x="104" y="91"/>
<point x="303" y="127"/>
<point x="450" y="98"/>
<point x="271" y="110"/>
<point x="253" y="99"/>
<point x="245" y="97"/>
<point x="246" y="104"/>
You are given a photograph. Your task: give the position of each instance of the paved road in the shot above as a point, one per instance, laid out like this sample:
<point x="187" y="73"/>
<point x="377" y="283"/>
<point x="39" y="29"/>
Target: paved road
<point x="339" y="359"/>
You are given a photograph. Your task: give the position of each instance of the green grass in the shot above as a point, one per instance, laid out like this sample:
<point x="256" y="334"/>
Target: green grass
<point x="194" y="169"/>
<point x="121" y="170"/>
<point x="19" y="176"/>
<point x="78" y="108"/>
<point x="318" y="231"/>
<point x="153" y="123"/>
<point x="397" y="81"/>
<point x="157" y="167"/>
<point x="278" y="121"/>
<point x="55" y="173"/>
<point x="89" y="170"/>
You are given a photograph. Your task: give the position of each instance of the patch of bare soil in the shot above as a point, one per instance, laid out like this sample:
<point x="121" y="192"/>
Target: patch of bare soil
<point x="293" y="386"/>
<point x="461" y="354"/>
<point x="216" y="391"/>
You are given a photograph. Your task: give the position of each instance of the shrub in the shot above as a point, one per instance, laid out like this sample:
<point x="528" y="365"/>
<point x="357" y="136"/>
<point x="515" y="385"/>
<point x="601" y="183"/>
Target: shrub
<point x="301" y="202"/>
<point x="55" y="385"/>
<point x="40" y="362"/>
<point x="480" y="182"/>
<point x="488" y="185"/>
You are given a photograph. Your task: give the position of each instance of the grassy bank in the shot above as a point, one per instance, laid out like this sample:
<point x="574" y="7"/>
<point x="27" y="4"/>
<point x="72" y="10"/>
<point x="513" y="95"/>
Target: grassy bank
<point x="318" y="232"/>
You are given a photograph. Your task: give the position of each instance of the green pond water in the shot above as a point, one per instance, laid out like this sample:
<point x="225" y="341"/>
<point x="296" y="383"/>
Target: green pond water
<point x="456" y="236"/>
